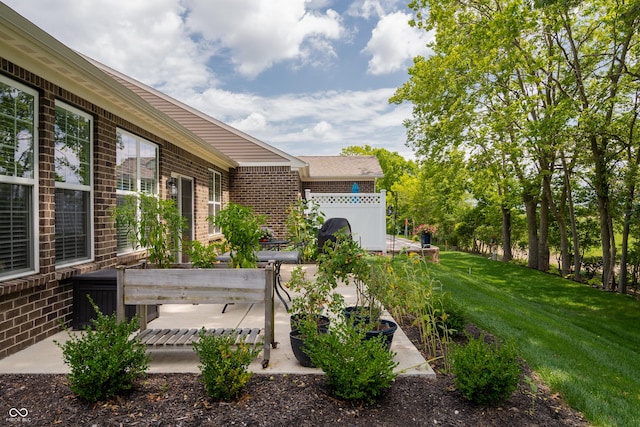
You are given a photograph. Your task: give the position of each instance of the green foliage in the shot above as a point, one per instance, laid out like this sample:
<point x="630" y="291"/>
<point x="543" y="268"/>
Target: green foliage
<point x="223" y="367"/>
<point x="405" y="287"/>
<point x="304" y="219"/>
<point x="311" y="295"/>
<point x="393" y="165"/>
<point x="153" y="224"/>
<point x="242" y="229"/>
<point x="203" y="256"/>
<point x="344" y="260"/>
<point x="356" y="368"/>
<point x="450" y="315"/>
<point x="103" y="361"/>
<point x="485" y="374"/>
<point x="577" y="339"/>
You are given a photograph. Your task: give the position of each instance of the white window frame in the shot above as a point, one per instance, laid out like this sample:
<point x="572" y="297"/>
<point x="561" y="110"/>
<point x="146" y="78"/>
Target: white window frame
<point x="31" y="182"/>
<point x="217" y="177"/>
<point x="138" y="187"/>
<point x="88" y="188"/>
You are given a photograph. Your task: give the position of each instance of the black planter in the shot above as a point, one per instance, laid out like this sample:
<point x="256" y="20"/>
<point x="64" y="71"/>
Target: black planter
<point x="357" y="314"/>
<point x="322" y="322"/>
<point x="388" y="328"/>
<point x="425" y="240"/>
<point x="297" y="345"/>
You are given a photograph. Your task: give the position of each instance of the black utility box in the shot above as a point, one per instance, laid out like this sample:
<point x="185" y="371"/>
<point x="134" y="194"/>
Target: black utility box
<point x="101" y="286"/>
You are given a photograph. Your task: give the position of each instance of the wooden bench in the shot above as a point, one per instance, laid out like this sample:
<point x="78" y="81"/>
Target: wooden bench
<point x="143" y="287"/>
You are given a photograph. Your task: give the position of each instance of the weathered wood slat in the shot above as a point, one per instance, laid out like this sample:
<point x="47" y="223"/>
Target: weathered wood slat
<point x="181" y="338"/>
<point x="198" y="286"/>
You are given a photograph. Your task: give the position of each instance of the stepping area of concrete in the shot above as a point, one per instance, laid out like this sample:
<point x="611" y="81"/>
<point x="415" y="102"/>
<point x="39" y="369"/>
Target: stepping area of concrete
<point x="46" y="357"/>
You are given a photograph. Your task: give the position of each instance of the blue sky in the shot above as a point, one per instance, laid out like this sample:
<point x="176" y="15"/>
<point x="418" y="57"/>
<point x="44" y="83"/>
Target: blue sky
<point x="308" y="77"/>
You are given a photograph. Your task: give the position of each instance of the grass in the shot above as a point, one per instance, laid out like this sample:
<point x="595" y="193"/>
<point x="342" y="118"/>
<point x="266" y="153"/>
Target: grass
<point x="582" y="342"/>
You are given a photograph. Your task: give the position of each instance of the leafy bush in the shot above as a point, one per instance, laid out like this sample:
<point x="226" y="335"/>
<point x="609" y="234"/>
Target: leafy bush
<point x="304" y="219"/>
<point x="242" y="229"/>
<point x="485" y="374"/>
<point x="224" y="368"/>
<point x="356" y="368"/>
<point x="203" y="256"/>
<point x="104" y="362"/>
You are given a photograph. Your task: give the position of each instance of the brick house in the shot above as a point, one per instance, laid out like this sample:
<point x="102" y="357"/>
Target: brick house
<point x="75" y="138"/>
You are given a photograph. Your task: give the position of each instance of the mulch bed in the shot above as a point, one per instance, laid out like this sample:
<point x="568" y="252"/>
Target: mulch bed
<point x="276" y="400"/>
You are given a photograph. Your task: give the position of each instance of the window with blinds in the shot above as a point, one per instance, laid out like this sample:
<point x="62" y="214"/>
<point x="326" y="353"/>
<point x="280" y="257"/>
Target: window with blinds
<point x="73" y="167"/>
<point x="18" y="179"/>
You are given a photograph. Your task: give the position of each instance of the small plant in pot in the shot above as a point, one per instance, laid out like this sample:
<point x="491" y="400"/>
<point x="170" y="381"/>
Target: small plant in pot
<point x="344" y="260"/>
<point x="307" y="308"/>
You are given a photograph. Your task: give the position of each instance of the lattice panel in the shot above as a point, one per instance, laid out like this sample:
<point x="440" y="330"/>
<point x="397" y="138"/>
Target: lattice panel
<point x="333" y="199"/>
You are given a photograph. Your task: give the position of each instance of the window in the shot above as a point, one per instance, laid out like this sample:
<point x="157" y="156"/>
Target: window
<point x="73" y="169"/>
<point x="215" y="198"/>
<point x="18" y="180"/>
<point x="136" y="171"/>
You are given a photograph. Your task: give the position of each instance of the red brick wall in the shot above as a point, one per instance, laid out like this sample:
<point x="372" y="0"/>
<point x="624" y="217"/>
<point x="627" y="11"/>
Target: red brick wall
<point x="338" y="186"/>
<point x="269" y="190"/>
<point x="31" y="307"/>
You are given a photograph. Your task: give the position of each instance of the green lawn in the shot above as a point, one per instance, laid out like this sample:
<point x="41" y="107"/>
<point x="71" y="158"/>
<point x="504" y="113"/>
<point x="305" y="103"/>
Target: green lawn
<point x="584" y="343"/>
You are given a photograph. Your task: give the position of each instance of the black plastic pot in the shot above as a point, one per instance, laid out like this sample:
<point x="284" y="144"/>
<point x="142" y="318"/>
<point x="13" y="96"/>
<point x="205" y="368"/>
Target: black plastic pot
<point x="322" y="322"/>
<point x="357" y="314"/>
<point x="297" y="345"/>
<point x="388" y="329"/>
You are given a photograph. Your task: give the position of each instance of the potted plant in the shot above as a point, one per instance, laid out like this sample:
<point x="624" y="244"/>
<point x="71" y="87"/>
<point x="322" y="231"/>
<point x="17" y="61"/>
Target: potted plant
<point x="306" y="310"/>
<point x="426" y="231"/>
<point x="304" y="219"/>
<point x="344" y="260"/>
<point x="266" y="234"/>
<point x="242" y="230"/>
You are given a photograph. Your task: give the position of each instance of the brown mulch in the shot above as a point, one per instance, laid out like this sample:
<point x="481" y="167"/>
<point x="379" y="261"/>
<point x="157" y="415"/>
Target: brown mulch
<point x="276" y="400"/>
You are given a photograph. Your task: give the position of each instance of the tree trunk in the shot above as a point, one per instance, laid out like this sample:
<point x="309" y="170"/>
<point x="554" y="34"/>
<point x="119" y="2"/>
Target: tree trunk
<point x="543" y="241"/>
<point x="507" y="255"/>
<point x="577" y="262"/>
<point x="601" y="186"/>
<point x="625" y="249"/>
<point x="532" y="230"/>
<point x="559" y="215"/>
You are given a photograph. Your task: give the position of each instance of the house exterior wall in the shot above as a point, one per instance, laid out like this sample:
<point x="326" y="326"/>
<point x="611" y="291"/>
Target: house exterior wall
<point x="338" y="186"/>
<point x="270" y="197"/>
<point x="32" y="306"/>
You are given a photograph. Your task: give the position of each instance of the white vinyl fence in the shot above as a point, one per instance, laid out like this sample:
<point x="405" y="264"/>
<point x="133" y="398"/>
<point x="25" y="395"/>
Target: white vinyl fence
<point x="366" y="213"/>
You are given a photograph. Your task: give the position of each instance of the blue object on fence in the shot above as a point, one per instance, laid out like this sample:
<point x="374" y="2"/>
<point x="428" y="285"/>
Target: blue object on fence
<point x="355" y="189"/>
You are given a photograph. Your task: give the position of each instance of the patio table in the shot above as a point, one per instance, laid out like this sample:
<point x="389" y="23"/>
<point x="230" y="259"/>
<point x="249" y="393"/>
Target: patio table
<point x="278" y="258"/>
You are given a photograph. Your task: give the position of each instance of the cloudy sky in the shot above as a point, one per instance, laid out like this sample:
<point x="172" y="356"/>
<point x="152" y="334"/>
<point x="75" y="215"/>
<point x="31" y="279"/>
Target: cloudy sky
<point x="308" y="77"/>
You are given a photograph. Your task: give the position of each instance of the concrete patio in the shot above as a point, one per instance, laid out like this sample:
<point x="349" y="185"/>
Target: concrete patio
<point x="46" y="357"/>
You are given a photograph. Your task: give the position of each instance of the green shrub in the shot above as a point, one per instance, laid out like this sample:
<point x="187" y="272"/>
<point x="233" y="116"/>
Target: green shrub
<point x="103" y="361"/>
<point x="452" y="318"/>
<point x="223" y="367"/>
<point x="356" y="368"/>
<point x="485" y="374"/>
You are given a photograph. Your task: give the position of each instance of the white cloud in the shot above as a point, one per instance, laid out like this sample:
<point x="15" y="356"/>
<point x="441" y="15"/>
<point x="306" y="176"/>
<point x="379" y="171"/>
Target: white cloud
<point x="313" y="123"/>
<point x="258" y="35"/>
<point x="394" y="43"/>
<point x="154" y="41"/>
<point x="143" y="39"/>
